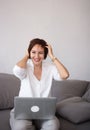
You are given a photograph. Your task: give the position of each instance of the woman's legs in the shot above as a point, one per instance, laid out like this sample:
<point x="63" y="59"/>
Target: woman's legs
<point x="20" y="124"/>
<point x="51" y="124"/>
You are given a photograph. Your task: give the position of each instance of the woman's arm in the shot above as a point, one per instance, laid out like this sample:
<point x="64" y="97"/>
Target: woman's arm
<point x="23" y="62"/>
<point x="64" y="74"/>
<point x="19" y="69"/>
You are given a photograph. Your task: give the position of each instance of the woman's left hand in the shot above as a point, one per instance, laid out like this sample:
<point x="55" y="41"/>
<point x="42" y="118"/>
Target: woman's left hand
<point x="50" y="51"/>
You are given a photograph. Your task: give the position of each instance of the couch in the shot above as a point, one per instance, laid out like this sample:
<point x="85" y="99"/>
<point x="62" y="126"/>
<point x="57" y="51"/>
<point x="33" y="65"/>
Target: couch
<point x="73" y="102"/>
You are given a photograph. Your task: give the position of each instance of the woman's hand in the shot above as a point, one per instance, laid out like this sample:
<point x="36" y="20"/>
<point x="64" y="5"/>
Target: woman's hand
<point x="26" y="54"/>
<point x="50" y="51"/>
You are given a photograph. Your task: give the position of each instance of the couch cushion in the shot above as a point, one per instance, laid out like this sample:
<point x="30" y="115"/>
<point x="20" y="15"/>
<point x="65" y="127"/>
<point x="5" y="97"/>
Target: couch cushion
<point x="4" y="120"/>
<point x="9" y="87"/>
<point x="68" y="88"/>
<point x="86" y="96"/>
<point x="74" y="109"/>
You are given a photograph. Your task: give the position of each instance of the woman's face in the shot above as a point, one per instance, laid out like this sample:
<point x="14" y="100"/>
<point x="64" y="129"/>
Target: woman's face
<point x="37" y="54"/>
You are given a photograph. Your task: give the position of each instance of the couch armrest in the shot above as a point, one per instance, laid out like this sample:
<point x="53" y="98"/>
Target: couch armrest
<point x="9" y="87"/>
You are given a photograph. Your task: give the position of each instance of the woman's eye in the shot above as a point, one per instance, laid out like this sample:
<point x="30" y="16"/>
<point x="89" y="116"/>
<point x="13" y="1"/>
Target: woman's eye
<point x="33" y="52"/>
<point x="41" y="52"/>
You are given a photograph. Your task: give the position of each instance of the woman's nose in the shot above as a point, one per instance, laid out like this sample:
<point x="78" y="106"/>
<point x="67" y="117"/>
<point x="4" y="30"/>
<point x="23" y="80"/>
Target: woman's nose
<point x="37" y="55"/>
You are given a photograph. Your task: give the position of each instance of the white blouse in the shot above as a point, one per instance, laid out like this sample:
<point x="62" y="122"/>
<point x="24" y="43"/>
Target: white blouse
<point x="30" y="85"/>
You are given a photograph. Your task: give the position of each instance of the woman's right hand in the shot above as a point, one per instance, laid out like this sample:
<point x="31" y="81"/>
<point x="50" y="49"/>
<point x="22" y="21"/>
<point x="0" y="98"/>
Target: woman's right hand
<point x="26" y="54"/>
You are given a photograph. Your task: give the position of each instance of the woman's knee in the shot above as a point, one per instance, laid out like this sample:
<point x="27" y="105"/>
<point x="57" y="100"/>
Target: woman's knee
<point x="23" y="125"/>
<point x="53" y="124"/>
<point x="20" y="124"/>
<point x="57" y="123"/>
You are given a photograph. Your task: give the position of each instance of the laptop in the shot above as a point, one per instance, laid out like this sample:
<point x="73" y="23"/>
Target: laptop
<point x="35" y="108"/>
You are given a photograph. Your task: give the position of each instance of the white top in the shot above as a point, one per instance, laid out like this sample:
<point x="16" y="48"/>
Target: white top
<point x="30" y="85"/>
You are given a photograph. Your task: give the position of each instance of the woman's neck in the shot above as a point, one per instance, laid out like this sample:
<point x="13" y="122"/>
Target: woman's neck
<point x="38" y="67"/>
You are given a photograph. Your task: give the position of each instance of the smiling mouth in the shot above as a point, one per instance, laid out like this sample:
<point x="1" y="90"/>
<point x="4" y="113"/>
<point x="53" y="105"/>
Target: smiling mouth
<point x="36" y="60"/>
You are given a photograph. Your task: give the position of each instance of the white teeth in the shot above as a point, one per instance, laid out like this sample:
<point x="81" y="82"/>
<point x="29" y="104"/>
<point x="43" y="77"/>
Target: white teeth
<point x="36" y="60"/>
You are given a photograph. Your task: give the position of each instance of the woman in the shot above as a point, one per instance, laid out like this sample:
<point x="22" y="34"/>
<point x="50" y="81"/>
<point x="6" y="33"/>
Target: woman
<point x="36" y="77"/>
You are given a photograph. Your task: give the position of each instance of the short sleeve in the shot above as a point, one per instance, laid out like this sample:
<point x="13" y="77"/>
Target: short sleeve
<point x="19" y="72"/>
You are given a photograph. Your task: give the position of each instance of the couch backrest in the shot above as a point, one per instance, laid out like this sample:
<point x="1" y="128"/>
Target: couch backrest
<point x="9" y="87"/>
<point x="69" y="88"/>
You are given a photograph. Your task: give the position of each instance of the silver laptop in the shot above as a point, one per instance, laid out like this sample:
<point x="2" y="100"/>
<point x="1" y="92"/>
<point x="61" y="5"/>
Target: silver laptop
<point x="34" y="108"/>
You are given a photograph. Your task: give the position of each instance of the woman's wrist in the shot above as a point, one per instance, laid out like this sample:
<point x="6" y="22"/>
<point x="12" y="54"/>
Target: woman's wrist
<point x="53" y="58"/>
<point x="25" y="59"/>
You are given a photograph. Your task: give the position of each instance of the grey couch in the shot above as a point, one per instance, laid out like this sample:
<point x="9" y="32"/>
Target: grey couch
<point x="73" y="104"/>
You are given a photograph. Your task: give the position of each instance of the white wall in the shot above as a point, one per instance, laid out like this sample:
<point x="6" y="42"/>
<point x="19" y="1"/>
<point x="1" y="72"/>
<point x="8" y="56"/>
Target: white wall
<point x="63" y="23"/>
